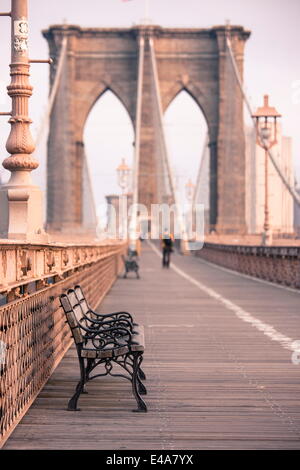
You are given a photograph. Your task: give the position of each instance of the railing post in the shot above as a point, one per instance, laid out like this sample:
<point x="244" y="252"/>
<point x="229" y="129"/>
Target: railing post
<point x="20" y="200"/>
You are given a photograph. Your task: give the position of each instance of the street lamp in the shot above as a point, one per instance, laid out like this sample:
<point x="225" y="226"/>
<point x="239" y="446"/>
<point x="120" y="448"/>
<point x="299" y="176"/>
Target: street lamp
<point x="266" y="137"/>
<point x="189" y="190"/>
<point x="20" y="200"/>
<point x="123" y="172"/>
<point x="189" y="193"/>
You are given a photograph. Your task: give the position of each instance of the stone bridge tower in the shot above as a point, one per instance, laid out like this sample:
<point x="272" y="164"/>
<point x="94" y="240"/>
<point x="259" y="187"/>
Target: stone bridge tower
<point x="194" y="60"/>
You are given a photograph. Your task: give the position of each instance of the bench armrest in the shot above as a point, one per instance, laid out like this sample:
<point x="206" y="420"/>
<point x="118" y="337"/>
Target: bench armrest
<point x="117" y="322"/>
<point x="106" y="336"/>
<point x="118" y="315"/>
<point x="92" y="332"/>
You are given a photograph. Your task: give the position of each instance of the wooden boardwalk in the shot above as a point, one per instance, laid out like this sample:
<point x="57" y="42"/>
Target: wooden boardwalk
<point x="218" y="375"/>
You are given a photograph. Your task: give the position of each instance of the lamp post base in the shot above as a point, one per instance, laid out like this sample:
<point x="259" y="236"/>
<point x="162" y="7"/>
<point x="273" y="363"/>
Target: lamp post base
<point x="22" y="213"/>
<point x="266" y="238"/>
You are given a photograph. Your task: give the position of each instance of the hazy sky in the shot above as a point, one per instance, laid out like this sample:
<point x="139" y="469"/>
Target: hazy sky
<point x="272" y="65"/>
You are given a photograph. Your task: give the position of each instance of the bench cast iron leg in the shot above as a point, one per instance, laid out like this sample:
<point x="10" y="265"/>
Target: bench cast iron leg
<point x="142" y="407"/>
<point x="72" y="405"/>
<point x="141" y="386"/>
<point x="142" y="374"/>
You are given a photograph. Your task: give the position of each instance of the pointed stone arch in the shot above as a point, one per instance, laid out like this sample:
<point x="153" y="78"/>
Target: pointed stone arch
<point x="191" y="89"/>
<point x="190" y="59"/>
<point x="89" y="100"/>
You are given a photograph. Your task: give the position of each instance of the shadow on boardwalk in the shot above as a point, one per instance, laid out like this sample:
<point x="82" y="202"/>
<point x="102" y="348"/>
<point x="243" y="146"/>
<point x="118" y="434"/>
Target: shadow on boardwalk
<point x="214" y="381"/>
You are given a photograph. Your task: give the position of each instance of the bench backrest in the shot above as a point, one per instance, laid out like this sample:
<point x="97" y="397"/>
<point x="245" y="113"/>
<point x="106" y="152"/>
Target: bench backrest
<point x="81" y="300"/>
<point x="73" y="315"/>
<point x="72" y="297"/>
<point x="80" y="307"/>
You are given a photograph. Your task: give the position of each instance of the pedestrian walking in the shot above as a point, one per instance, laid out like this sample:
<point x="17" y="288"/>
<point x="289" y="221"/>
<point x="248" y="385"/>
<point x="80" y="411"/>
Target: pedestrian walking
<point x="167" y="248"/>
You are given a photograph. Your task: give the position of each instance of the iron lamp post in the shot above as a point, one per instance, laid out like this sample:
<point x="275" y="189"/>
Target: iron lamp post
<point x="124" y="173"/>
<point x="189" y="190"/>
<point x="266" y="137"/>
<point x="21" y="205"/>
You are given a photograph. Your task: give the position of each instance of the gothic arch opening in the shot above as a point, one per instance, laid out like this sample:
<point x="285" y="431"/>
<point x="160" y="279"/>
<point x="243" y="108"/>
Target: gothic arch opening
<point x="108" y="137"/>
<point x="186" y="134"/>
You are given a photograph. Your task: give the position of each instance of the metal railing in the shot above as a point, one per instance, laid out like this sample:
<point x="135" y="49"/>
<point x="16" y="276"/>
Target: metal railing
<point x="278" y="264"/>
<point x="33" y="333"/>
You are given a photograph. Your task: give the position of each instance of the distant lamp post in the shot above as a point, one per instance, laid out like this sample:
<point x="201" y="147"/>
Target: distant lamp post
<point x="189" y="190"/>
<point x="124" y="174"/>
<point x="189" y="193"/>
<point x="266" y="137"/>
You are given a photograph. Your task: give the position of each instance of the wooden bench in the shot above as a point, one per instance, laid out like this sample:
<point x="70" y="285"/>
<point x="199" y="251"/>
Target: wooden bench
<point x="131" y="263"/>
<point x="104" y="340"/>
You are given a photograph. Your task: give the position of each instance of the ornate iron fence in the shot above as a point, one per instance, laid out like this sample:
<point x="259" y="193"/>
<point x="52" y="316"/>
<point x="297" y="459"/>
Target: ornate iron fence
<point x="276" y="264"/>
<point x="34" y="336"/>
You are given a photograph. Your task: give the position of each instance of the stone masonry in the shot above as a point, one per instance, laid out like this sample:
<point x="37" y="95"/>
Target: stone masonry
<point x="194" y="60"/>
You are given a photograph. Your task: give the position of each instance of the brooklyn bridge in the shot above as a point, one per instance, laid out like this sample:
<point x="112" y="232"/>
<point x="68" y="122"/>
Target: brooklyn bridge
<point x="218" y="331"/>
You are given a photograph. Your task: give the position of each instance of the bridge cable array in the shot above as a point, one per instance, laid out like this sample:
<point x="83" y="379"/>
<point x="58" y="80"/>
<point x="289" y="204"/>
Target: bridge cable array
<point x="165" y="178"/>
<point x="273" y="159"/>
<point x="138" y="120"/>
<point x="165" y="153"/>
<point x="45" y="121"/>
<point x="89" y="212"/>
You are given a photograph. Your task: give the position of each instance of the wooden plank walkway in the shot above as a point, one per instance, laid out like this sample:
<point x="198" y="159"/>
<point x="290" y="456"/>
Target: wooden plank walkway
<point x="215" y="380"/>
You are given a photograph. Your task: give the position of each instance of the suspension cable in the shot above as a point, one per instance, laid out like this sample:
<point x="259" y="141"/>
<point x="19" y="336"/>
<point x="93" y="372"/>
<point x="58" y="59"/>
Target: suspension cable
<point x="273" y="159"/>
<point x="160" y="115"/>
<point x="91" y="195"/>
<point x="45" y="122"/>
<point x="164" y="144"/>
<point x="53" y="92"/>
<point x="202" y="166"/>
<point x="135" y="196"/>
